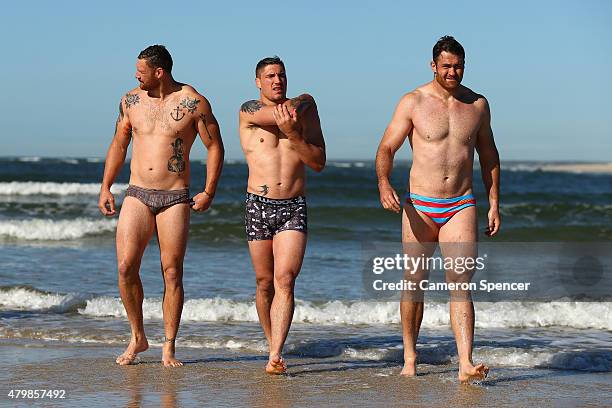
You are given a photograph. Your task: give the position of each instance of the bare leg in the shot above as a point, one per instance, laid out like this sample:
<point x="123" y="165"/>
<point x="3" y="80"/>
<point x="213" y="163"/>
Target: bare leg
<point x="263" y="264"/>
<point x="134" y="230"/>
<point x="289" y="247"/>
<point x="458" y="239"/>
<point x="172" y="233"/>
<point x="418" y="238"/>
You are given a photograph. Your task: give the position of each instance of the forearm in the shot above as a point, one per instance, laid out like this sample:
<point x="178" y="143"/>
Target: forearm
<point x="490" y="169"/>
<point x="115" y="158"/>
<point x="384" y="164"/>
<point x="214" y="165"/>
<point x="311" y="155"/>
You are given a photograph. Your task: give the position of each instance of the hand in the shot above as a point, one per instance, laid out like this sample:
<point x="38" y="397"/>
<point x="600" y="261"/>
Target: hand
<point x="388" y="198"/>
<point x="287" y="121"/>
<point x="201" y="201"/>
<point x="106" y="202"/>
<point x="494" y="222"/>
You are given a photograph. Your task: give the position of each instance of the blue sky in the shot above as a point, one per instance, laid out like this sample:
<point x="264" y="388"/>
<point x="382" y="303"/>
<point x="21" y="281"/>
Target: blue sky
<point x="544" y="66"/>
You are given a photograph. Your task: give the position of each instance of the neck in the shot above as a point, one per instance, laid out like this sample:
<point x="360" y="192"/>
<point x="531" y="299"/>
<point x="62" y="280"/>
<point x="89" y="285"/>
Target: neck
<point x="165" y="88"/>
<point x="267" y="101"/>
<point x="443" y="92"/>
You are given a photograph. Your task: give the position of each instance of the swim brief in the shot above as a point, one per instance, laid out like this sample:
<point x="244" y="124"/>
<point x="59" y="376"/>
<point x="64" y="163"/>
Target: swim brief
<point x="440" y="210"/>
<point x="266" y="217"/>
<point x="157" y="200"/>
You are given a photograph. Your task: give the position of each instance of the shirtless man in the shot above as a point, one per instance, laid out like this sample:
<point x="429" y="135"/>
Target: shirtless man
<point x="444" y="122"/>
<point x="162" y="116"/>
<point x="278" y="136"/>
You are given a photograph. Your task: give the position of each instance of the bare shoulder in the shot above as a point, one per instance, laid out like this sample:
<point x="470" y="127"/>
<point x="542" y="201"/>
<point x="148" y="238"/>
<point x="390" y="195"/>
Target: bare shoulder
<point x="192" y="100"/>
<point x="132" y="97"/>
<point x="411" y="99"/>
<point x="477" y="99"/>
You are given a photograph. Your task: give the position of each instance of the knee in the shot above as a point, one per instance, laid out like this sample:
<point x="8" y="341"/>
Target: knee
<point x="284" y="283"/>
<point x="127" y="270"/>
<point x="173" y="275"/>
<point x="265" y="284"/>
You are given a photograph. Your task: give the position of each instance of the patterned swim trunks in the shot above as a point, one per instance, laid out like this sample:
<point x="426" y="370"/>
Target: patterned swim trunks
<point x="266" y="217"/>
<point x="157" y="200"/>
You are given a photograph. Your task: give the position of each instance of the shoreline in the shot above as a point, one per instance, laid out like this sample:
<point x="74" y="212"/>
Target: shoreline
<point x="210" y="377"/>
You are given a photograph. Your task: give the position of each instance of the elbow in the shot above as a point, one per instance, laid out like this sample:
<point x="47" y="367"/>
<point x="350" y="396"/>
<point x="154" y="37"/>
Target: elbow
<point x="318" y="167"/>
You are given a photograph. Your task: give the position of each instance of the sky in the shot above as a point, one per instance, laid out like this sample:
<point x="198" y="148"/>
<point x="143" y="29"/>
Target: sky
<point x="544" y="66"/>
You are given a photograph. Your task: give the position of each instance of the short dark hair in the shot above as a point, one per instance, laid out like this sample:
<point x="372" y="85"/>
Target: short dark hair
<point x="448" y="44"/>
<point x="157" y="56"/>
<point x="275" y="60"/>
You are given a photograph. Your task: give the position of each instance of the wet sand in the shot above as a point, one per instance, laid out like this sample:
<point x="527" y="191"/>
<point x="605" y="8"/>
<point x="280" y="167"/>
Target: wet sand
<point x="212" y="378"/>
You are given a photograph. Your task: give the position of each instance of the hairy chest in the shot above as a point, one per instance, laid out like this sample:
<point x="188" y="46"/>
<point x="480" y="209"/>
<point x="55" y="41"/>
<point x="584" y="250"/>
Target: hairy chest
<point x="436" y="121"/>
<point x="175" y="116"/>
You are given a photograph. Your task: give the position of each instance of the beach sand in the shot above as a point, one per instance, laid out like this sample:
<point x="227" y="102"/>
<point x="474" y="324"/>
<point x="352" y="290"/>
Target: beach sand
<point x="212" y="378"/>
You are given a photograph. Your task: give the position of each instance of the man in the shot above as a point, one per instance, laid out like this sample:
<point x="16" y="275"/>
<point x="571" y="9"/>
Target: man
<point x="278" y="136"/>
<point x="162" y="116"/>
<point x="444" y="122"/>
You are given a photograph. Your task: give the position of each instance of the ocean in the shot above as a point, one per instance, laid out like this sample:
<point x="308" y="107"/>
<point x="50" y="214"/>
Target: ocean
<point x="58" y="277"/>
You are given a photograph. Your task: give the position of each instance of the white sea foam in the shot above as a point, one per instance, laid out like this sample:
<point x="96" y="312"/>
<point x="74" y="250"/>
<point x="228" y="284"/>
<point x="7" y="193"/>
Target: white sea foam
<point x="25" y="188"/>
<point x="23" y="298"/>
<point x="54" y="230"/>
<point x="542" y="357"/>
<point x="31" y="159"/>
<point x="582" y="315"/>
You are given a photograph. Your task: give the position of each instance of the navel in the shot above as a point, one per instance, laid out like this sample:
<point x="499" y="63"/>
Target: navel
<point x="261" y="140"/>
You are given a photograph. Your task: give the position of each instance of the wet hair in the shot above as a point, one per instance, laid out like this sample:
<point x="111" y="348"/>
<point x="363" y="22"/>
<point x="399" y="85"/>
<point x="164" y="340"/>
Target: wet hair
<point x="448" y="44"/>
<point x="157" y="56"/>
<point x="275" y="60"/>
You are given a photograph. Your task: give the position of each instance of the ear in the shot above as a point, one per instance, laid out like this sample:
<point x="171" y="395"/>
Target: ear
<point x="159" y="72"/>
<point x="433" y="66"/>
<point x="258" y="82"/>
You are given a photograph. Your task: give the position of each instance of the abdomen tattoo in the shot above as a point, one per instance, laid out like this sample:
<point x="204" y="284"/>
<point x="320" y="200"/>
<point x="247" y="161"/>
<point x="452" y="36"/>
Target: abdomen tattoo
<point x="176" y="164"/>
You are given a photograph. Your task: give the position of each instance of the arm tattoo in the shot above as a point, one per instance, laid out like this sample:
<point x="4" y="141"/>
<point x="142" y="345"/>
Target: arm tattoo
<point x="251" y="106"/>
<point x="176" y="164"/>
<point x="190" y="104"/>
<point x="203" y="117"/>
<point x="301" y="103"/>
<point x="131" y="100"/>
<point x="120" y="116"/>
<point x="264" y="189"/>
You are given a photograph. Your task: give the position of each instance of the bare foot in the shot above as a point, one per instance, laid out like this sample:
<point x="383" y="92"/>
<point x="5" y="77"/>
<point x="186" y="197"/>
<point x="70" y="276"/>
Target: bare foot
<point x="131" y="352"/>
<point x="409" y="369"/>
<point x="276" y="365"/>
<point x="469" y="373"/>
<point x="168" y="354"/>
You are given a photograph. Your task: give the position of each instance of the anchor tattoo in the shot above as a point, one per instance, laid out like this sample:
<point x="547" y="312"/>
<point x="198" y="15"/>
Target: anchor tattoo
<point x="177" y="117"/>
<point x="176" y="163"/>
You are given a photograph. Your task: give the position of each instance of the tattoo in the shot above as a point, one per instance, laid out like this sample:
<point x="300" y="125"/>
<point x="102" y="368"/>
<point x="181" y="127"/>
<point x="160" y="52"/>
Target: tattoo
<point x="264" y="189"/>
<point x="131" y="100"/>
<point x="177" y="116"/>
<point x="190" y="104"/>
<point x="120" y="110"/>
<point x="301" y="103"/>
<point x="176" y="164"/>
<point x="251" y="106"/>
<point x="203" y="117"/>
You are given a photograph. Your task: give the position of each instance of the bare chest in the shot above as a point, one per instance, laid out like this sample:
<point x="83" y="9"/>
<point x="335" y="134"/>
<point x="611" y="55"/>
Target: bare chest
<point x="264" y="140"/>
<point x="171" y="117"/>
<point x="437" y="121"/>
